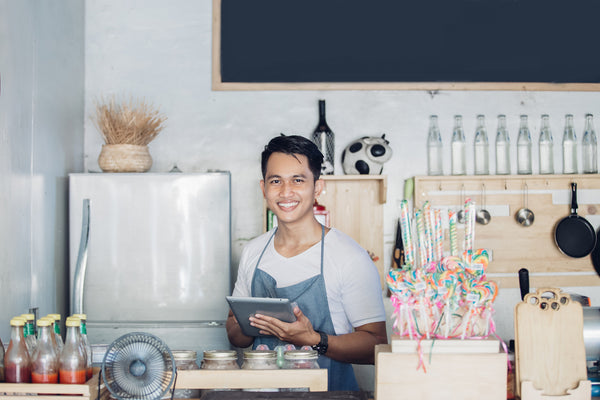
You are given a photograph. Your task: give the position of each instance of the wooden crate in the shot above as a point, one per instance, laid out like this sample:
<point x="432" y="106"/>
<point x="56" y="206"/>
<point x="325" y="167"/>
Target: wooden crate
<point x="47" y="391"/>
<point x="313" y="379"/>
<point x="448" y="376"/>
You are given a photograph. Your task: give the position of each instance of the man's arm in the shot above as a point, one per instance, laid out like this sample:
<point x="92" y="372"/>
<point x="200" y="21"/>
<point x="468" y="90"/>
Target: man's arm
<point x="234" y="333"/>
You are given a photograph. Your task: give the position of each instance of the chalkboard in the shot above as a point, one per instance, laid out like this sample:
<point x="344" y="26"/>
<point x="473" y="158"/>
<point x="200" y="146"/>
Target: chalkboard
<point x="475" y="43"/>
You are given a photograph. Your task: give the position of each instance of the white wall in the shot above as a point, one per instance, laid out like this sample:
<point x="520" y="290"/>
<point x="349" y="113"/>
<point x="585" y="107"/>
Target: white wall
<point x="162" y="51"/>
<point x="41" y="140"/>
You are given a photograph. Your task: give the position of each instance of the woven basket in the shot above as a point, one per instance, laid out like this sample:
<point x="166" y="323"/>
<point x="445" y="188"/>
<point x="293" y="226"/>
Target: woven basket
<point x="124" y="158"/>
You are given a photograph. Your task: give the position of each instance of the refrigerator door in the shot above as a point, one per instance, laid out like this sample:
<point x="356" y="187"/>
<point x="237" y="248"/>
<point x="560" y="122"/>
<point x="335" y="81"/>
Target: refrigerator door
<point x="157" y="254"/>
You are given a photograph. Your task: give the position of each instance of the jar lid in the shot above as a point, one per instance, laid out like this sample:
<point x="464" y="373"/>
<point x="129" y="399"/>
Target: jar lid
<point x="260" y="354"/>
<point x="226" y="355"/>
<point x="300" y="354"/>
<point x="180" y="355"/>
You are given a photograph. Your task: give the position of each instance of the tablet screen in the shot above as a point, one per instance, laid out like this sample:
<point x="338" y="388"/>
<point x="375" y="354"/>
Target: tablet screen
<point x="245" y="307"/>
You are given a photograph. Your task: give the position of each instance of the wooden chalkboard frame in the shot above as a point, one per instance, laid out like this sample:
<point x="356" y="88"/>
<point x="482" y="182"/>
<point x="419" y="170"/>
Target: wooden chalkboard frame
<point x="219" y="85"/>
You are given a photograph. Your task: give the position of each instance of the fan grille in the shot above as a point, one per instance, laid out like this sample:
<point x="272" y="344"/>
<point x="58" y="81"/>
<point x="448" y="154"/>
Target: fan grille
<point x="138" y="366"/>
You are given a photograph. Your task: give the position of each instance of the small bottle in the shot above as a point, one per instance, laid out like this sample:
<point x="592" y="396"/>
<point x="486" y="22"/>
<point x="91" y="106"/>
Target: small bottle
<point x="434" y="148"/>
<point x="17" y="363"/>
<point x="589" y="147"/>
<point x="56" y="326"/>
<point x="481" y="147"/>
<point x="502" y="147"/>
<point x="569" y="147"/>
<point x="44" y="362"/>
<point x="29" y="333"/>
<point x="546" y="147"/>
<point x="57" y="350"/>
<point x="524" y="148"/>
<point x="325" y="141"/>
<point x="86" y="343"/>
<point x="459" y="159"/>
<point x="73" y="362"/>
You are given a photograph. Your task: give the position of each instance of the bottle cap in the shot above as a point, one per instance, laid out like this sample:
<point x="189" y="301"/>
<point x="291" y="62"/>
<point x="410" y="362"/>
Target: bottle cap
<point x="72" y="321"/>
<point x="17" y="322"/>
<point x="28" y="317"/>
<point x="56" y="317"/>
<point x="82" y="317"/>
<point x="44" y="322"/>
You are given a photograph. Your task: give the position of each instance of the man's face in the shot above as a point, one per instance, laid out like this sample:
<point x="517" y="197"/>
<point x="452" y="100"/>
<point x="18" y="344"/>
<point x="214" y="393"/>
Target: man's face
<point x="289" y="188"/>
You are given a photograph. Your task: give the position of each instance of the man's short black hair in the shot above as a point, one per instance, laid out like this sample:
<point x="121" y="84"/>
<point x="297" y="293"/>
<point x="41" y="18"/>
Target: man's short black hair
<point x="292" y="145"/>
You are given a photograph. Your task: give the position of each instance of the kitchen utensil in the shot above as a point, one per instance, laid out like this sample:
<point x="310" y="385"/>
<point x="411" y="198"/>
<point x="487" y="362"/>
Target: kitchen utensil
<point x="525" y="216"/>
<point x="524" y="282"/>
<point x="574" y="235"/>
<point x="482" y="216"/>
<point x="549" y="347"/>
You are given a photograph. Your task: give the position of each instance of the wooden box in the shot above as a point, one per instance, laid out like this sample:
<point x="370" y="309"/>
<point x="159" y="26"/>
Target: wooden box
<point x="463" y="376"/>
<point x="313" y="379"/>
<point x="49" y="391"/>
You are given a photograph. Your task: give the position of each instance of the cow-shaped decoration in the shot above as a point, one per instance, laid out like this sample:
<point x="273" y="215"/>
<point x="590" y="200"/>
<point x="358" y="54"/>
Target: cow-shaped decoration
<point x="366" y="156"/>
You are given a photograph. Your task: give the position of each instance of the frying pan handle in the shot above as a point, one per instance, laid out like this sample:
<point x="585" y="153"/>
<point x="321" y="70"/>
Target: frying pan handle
<point x="524" y="282"/>
<point x="574" y="205"/>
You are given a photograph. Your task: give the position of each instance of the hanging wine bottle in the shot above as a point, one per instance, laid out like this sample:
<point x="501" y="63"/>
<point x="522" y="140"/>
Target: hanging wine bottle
<point x="325" y="141"/>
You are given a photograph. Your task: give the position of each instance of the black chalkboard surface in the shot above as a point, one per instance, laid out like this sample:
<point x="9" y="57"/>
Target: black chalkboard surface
<point x="300" y="41"/>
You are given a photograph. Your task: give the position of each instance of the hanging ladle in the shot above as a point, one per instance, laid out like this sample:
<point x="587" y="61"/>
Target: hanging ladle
<point x="525" y="216"/>
<point x="483" y="216"/>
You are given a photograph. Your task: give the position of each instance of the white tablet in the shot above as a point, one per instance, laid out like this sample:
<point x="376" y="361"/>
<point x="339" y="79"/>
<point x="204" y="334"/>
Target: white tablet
<point x="245" y="307"/>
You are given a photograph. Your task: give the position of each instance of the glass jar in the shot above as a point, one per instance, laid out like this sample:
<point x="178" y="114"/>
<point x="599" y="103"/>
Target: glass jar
<point x="185" y="360"/>
<point x="220" y="359"/>
<point x="260" y="359"/>
<point x="301" y="359"/>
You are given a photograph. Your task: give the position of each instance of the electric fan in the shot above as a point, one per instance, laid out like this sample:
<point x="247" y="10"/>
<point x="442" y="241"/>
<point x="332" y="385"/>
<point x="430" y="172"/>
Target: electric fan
<point x="138" y="366"/>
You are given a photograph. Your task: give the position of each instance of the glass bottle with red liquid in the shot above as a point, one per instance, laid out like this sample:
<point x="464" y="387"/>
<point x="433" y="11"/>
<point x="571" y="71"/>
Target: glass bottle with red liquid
<point x="56" y="325"/>
<point x="17" y="364"/>
<point x="29" y="333"/>
<point x="86" y="343"/>
<point x="73" y="361"/>
<point x="44" y="362"/>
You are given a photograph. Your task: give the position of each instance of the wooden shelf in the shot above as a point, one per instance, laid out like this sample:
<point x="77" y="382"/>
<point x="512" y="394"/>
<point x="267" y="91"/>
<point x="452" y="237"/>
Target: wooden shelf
<point x="514" y="246"/>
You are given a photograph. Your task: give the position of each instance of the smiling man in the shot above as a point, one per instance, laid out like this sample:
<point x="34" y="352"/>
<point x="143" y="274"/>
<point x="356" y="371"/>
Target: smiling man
<point x="340" y="309"/>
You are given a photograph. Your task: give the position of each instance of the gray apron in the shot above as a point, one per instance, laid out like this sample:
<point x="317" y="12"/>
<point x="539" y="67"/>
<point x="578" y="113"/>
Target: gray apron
<point x="311" y="297"/>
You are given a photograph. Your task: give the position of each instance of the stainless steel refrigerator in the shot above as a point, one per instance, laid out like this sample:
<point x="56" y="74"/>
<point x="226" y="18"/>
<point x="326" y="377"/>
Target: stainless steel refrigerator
<point x="151" y="252"/>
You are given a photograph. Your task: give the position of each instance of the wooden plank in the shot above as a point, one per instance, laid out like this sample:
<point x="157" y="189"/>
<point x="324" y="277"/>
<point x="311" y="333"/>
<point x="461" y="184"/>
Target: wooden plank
<point x="313" y="379"/>
<point x="511" y="245"/>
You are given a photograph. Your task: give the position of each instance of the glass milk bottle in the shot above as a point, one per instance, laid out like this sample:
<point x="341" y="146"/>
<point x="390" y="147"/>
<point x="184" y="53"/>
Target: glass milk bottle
<point x="546" y="147"/>
<point x="569" y="147"/>
<point x="524" y="148"/>
<point x="481" y="148"/>
<point x="589" y="147"/>
<point x="434" y="148"/>
<point x="502" y="148"/>
<point x="459" y="161"/>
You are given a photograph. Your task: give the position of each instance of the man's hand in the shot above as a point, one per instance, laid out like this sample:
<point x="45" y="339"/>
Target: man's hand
<point x="299" y="332"/>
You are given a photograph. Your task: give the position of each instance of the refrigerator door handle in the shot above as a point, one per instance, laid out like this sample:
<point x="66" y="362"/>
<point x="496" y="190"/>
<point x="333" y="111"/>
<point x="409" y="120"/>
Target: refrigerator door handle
<point x="80" y="267"/>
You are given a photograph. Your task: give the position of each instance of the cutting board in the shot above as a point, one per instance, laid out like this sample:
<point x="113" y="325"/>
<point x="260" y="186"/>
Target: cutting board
<point x="549" y="347"/>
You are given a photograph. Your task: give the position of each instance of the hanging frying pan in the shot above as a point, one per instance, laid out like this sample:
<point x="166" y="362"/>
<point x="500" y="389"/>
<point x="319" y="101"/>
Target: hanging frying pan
<point x="574" y="235"/>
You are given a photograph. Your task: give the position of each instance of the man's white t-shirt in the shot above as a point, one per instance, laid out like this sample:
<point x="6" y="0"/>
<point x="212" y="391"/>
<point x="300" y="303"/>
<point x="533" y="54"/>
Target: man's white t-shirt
<point x="352" y="280"/>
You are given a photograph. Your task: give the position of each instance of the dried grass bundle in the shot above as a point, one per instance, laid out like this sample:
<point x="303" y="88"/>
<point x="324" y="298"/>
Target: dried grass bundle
<point x="134" y="122"/>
